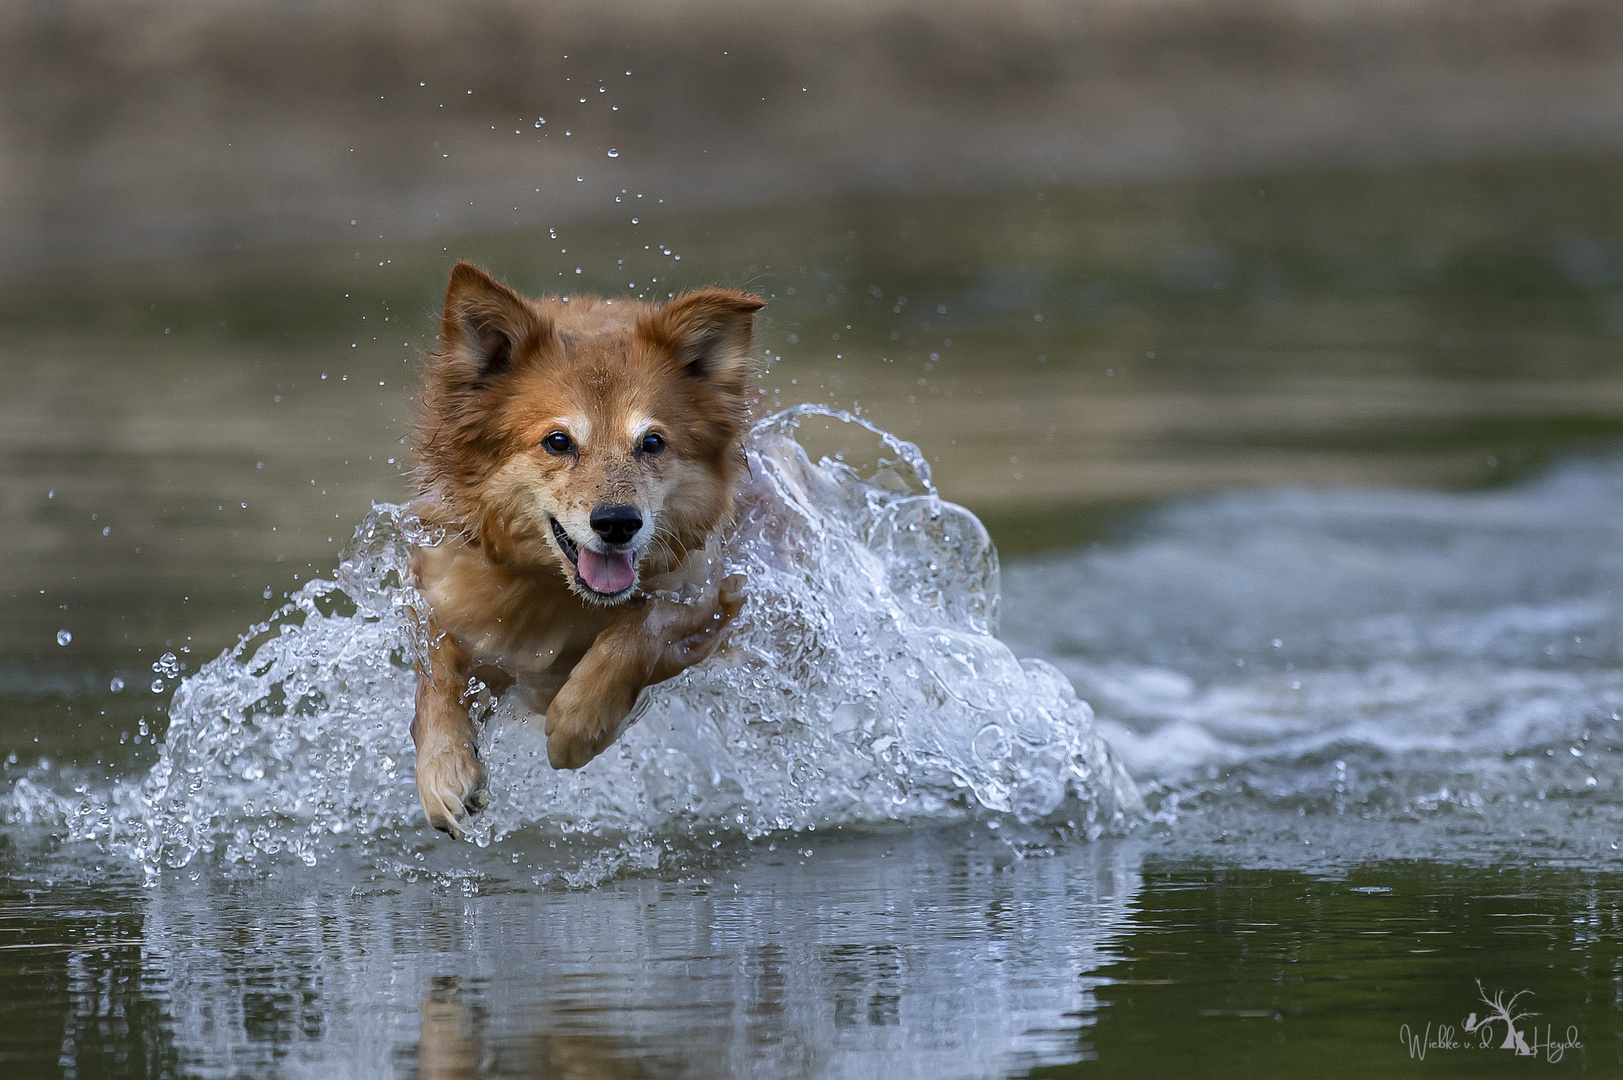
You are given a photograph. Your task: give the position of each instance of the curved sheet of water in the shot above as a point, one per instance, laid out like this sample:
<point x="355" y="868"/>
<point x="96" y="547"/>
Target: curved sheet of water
<point x="863" y="684"/>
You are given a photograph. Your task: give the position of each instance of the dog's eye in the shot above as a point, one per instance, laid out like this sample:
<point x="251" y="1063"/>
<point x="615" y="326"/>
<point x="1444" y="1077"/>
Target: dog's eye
<point x="558" y="443"/>
<point x="652" y="443"/>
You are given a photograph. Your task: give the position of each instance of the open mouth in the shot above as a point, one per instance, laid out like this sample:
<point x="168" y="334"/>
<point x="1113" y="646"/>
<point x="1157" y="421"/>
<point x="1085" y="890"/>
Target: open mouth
<point x="605" y="574"/>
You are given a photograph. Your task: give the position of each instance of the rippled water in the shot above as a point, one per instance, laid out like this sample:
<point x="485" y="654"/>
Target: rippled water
<point x="1447" y="662"/>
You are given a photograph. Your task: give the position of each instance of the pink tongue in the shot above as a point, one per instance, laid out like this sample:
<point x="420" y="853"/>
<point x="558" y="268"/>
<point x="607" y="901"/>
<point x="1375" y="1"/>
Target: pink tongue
<point x="606" y="573"/>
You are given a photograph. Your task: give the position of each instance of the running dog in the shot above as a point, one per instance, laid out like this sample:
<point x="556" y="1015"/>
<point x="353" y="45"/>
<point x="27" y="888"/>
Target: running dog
<point x="579" y="457"/>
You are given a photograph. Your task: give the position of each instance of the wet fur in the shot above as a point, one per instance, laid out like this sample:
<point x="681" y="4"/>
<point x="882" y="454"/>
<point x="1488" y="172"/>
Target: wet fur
<point x="507" y="606"/>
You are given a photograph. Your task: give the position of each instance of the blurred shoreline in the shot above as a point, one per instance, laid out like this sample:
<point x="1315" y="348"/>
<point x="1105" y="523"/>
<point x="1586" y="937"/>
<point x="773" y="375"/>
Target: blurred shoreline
<point x="133" y="130"/>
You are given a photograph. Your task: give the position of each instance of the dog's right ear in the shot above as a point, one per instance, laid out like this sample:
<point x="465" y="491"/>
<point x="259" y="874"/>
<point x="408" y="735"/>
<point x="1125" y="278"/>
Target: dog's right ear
<point x="486" y="325"/>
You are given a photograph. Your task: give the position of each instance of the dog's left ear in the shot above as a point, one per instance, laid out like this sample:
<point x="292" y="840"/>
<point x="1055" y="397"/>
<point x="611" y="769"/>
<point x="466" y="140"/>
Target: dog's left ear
<point x="710" y="333"/>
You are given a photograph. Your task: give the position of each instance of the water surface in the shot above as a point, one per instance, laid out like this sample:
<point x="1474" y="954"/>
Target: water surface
<point x="1308" y="484"/>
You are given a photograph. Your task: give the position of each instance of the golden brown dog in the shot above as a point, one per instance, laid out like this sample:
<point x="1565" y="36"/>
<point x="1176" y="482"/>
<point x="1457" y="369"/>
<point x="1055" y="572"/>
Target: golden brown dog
<point x="580" y="456"/>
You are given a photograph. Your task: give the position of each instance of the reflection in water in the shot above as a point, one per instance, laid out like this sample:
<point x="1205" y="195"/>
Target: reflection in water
<point x="925" y="953"/>
<point x="930" y="953"/>
<point x="449" y="1046"/>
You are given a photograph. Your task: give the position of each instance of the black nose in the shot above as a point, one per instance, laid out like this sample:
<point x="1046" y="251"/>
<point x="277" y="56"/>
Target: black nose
<point x="616" y="523"/>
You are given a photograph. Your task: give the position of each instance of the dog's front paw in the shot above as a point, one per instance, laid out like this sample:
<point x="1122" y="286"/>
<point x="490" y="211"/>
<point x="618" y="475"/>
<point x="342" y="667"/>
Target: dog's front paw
<point x="702" y="629"/>
<point x="575" y="735"/>
<point x="451" y="785"/>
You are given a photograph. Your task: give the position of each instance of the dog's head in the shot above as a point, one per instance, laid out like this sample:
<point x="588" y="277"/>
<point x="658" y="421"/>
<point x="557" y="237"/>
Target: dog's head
<point x="593" y="435"/>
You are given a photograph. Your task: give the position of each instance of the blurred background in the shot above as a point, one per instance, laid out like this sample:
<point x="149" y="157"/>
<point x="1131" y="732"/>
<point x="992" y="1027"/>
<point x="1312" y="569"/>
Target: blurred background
<point x="1088" y="254"/>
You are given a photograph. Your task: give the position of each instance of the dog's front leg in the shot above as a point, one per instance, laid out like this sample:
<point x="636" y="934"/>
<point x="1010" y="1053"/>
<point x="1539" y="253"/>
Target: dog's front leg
<point x="653" y="641"/>
<point x="450" y="778"/>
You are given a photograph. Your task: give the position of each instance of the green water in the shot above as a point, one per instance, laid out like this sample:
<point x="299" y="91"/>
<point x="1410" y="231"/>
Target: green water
<point x="1201" y="967"/>
<point x="175" y="461"/>
<point x="1227" y="971"/>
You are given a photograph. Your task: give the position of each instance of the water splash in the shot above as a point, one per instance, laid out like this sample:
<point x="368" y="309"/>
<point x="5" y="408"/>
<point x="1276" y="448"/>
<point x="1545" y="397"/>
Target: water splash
<point x="863" y="684"/>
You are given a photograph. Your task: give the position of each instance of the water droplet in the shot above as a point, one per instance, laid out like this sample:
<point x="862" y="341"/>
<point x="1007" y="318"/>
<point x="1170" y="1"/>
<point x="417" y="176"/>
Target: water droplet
<point x="116" y="686"/>
<point x="157" y="686"/>
<point x="614" y="153"/>
<point x="63" y="637"/>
